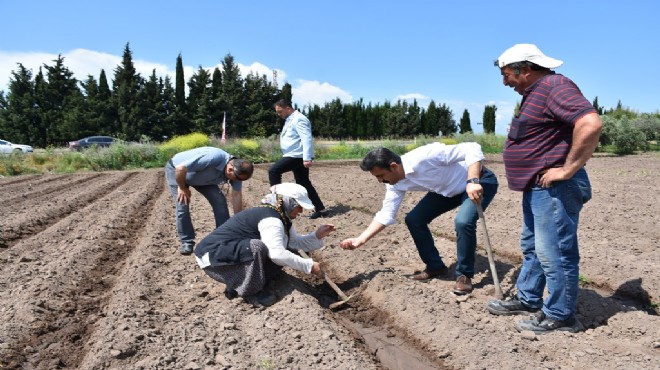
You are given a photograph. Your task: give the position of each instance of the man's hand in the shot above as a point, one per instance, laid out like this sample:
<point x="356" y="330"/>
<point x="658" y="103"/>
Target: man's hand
<point x="324" y="230"/>
<point x="183" y="195"/>
<point x="308" y="164"/>
<point x="475" y="192"/>
<point x="551" y="175"/>
<point x="351" y="243"/>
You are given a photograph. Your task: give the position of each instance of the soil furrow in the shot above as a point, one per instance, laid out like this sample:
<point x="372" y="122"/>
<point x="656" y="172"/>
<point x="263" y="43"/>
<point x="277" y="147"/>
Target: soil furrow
<point x="30" y="192"/>
<point x="55" y="204"/>
<point x="86" y="284"/>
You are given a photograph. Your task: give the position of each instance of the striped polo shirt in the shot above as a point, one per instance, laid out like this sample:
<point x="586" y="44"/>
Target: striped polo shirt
<point x="541" y="135"/>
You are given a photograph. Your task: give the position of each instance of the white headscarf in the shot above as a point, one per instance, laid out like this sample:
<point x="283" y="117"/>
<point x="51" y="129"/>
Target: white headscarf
<point x="288" y="203"/>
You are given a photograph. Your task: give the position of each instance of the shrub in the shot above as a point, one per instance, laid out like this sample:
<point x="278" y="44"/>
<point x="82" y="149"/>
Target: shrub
<point x="246" y="149"/>
<point x="490" y="143"/>
<point x="628" y="139"/>
<point x="186" y="142"/>
<point x="649" y="125"/>
<point x="625" y="136"/>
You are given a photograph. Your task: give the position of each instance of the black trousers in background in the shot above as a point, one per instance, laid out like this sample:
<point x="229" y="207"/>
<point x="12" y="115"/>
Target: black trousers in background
<point x="300" y="174"/>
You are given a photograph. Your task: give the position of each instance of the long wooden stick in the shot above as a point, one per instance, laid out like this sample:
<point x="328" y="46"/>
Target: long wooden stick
<point x="489" y="250"/>
<point x="334" y="286"/>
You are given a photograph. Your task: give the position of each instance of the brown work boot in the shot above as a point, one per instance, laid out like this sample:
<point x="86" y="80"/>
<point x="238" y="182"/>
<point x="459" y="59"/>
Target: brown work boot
<point x="463" y="285"/>
<point x="427" y="274"/>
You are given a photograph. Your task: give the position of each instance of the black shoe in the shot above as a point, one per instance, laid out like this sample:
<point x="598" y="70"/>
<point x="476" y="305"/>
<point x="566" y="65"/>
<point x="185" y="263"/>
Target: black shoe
<point x="512" y="307"/>
<point x="231" y="293"/>
<point x="261" y="299"/>
<point x="266" y="298"/>
<point x="317" y="214"/>
<point x="186" y="248"/>
<point x="541" y="324"/>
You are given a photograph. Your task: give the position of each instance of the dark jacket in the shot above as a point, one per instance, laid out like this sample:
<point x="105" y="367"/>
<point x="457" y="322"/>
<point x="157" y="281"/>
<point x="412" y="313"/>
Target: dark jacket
<point x="229" y="244"/>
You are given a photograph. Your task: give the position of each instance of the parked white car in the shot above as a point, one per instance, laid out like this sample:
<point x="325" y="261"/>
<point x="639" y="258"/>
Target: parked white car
<point x="7" y="148"/>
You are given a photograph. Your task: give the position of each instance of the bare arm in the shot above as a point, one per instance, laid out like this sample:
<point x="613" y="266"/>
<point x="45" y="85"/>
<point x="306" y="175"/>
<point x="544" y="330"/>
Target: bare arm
<point x="585" y="139"/>
<point x="237" y="201"/>
<point x="374" y="228"/>
<point x="474" y="191"/>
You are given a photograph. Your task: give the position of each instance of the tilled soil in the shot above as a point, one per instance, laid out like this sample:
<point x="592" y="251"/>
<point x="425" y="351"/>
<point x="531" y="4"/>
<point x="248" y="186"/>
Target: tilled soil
<point x="91" y="278"/>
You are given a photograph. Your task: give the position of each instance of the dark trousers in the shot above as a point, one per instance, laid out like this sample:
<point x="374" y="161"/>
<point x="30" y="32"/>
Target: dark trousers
<point x="300" y="174"/>
<point x="465" y="224"/>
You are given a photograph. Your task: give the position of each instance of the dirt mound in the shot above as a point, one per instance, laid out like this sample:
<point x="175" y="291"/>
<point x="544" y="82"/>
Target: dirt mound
<point x="90" y="278"/>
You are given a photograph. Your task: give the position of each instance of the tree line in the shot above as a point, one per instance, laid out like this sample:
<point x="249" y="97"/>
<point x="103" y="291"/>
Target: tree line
<point x="51" y="107"/>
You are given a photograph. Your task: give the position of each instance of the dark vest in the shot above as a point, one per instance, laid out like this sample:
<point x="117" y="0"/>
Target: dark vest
<point x="229" y="244"/>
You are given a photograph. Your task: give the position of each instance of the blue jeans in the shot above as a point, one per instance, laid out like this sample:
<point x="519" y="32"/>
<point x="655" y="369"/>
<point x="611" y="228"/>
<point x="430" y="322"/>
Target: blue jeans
<point x="433" y="205"/>
<point x="213" y="195"/>
<point x="549" y="245"/>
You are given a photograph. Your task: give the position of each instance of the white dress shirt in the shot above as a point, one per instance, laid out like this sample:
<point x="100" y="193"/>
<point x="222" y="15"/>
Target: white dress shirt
<point x="435" y="167"/>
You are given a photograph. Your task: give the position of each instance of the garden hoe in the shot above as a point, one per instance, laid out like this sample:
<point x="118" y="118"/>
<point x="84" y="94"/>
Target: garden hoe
<point x="489" y="250"/>
<point x="344" y="297"/>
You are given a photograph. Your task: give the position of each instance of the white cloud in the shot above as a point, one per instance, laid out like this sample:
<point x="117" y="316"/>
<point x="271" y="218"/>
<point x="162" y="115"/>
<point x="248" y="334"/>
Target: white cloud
<point x="307" y="93"/>
<point x="414" y="96"/>
<point x="88" y="62"/>
<point x="81" y="62"/>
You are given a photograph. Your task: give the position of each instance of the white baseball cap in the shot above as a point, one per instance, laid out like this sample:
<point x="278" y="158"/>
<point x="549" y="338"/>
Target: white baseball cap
<point x="529" y="53"/>
<point x="295" y="191"/>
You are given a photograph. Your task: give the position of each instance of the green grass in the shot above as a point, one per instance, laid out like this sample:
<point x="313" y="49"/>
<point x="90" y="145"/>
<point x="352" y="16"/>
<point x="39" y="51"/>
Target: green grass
<point x="258" y="150"/>
<point x="266" y="364"/>
<point x="583" y="280"/>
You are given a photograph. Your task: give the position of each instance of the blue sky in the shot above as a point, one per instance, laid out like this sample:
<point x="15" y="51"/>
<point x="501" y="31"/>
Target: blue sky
<point x="375" y="50"/>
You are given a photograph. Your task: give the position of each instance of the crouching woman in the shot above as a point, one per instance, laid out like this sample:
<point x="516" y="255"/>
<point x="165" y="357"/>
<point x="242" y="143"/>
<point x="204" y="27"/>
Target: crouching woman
<point x="253" y="246"/>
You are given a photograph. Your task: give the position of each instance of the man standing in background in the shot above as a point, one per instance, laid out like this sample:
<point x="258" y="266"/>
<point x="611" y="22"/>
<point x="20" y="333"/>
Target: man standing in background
<point x="297" y="153"/>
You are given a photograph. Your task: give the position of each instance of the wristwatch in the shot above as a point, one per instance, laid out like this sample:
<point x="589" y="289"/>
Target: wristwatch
<point x="474" y="180"/>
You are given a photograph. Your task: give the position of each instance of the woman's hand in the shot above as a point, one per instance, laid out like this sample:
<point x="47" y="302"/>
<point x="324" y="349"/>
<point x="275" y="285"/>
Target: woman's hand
<point x="316" y="270"/>
<point x="324" y="230"/>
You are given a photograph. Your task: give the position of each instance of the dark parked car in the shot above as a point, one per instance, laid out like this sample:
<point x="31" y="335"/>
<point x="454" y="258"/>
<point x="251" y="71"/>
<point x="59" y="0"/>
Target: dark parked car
<point x="100" y="141"/>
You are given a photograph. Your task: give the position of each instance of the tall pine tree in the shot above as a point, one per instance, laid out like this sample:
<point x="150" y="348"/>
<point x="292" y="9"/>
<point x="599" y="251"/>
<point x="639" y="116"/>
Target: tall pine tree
<point x="126" y="86"/>
<point x="465" y="124"/>
<point x="233" y="96"/>
<point x="489" y="119"/>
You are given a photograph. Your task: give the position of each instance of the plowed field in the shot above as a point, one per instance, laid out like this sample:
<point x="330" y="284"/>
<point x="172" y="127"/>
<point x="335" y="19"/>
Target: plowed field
<point x="91" y="278"/>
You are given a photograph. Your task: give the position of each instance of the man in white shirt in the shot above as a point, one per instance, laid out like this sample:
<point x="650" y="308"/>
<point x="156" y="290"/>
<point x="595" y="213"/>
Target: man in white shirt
<point x="452" y="176"/>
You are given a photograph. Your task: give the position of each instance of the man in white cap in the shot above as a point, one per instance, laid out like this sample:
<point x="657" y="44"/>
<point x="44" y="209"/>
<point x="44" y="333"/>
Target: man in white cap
<point x="250" y="249"/>
<point x="549" y="142"/>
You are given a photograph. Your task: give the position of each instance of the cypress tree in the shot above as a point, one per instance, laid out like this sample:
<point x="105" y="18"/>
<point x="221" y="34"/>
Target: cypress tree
<point x="465" y="122"/>
<point x="489" y="119"/>
<point x="233" y="96"/>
